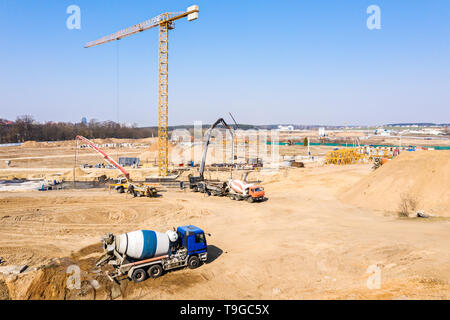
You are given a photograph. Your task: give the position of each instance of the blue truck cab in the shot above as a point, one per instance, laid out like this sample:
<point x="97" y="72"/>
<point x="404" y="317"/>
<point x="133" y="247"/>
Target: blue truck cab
<point x="194" y="240"/>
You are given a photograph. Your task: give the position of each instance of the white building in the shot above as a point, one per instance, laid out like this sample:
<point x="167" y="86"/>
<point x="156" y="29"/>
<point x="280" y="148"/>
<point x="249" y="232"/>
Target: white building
<point x="322" y="132"/>
<point x="285" y="128"/>
<point x="382" y="132"/>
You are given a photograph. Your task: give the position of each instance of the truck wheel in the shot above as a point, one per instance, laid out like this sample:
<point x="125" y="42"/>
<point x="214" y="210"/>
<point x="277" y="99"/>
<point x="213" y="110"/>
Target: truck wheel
<point x="138" y="275"/>
<point x="193" y="262"/>
<point x="250" y="199"/>
<point x="155" y="271"/>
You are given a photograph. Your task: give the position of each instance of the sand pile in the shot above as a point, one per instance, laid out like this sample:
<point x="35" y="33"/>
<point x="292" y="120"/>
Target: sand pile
<point x="35" y="144"/>
<point x="32" y="144"/>
<point x="154" y="146"/>
<point x="147" y="140"/>
<point x="50" y="282"/>
<point x="423" y="176"/>
<point x="68" y="176"/>
<point x="152" y="152"/>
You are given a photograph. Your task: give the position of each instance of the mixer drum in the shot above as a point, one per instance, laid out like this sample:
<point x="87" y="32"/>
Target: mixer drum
<point x="143" y="244"/>
<point x="239" y="186"/>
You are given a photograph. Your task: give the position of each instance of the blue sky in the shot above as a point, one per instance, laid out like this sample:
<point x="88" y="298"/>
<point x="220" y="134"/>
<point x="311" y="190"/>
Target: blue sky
<point x="267" y="62"/>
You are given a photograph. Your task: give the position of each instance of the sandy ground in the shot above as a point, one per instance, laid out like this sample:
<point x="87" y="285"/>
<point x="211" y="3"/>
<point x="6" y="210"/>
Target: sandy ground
<point x="308" y="241"/>
<point x="419" y="180"/>
<point x="303" y="243"/>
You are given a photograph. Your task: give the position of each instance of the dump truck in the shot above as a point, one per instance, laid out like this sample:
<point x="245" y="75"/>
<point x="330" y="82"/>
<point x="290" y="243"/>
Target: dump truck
<point x="140" y="254"/>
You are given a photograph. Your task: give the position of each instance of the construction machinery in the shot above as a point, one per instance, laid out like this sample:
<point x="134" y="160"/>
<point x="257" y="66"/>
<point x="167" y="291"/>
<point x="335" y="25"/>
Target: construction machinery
<point x="241" y="190"/>
<point x="165" y="22"/>
<point x="136" y="189"/>
<point x="198" y="183"/>
<point x="145" y="253"/>
<point x="233" y="188"/>
<point x="345" y="156"/>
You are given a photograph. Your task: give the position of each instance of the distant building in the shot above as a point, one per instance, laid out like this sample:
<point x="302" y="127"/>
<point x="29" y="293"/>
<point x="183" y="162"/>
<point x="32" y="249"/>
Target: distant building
<point x="382" y="132"/>
<point x="84" y="120"/>
<point x="322" y="132"/>
<point x="125" y="161"/>
<point x="285" y="128"/>
<point x="4" y="121"/>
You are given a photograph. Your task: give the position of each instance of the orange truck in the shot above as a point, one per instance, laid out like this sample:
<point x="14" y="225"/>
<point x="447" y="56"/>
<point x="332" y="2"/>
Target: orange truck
<point x="240" y="190"/>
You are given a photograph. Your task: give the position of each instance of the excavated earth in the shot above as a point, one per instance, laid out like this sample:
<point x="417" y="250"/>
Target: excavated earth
<point x="305" y="242"/>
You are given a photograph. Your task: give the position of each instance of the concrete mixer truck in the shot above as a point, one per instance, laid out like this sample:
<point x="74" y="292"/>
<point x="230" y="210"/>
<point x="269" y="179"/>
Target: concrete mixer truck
<point x="241" y="190"/>
<point x="141" y="254"/>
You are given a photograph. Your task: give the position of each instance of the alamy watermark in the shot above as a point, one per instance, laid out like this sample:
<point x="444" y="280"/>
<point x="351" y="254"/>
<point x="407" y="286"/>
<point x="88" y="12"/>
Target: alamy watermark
<point x="225" y="146"/>
<point x="73" y="281"/>
<point x="374" y="280"/>
<point x="374" y="20"/>
<point x="74" y="19"/>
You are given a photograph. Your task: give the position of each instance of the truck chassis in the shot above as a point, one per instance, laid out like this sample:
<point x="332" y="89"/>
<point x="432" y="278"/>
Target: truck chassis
<point x="237" y="196"/>
<point x="155" y="267"/>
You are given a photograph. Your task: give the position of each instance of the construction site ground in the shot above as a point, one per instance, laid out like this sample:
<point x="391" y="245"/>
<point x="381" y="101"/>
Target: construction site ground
<point x="308" y="241"/>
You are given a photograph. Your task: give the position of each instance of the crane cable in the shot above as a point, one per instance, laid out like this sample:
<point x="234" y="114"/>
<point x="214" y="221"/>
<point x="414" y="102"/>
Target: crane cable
<point x="117" y="79"/>
<point x="117" y="90"/>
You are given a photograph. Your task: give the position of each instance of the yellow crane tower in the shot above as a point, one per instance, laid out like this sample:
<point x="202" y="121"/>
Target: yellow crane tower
<point x="165" y="22"/>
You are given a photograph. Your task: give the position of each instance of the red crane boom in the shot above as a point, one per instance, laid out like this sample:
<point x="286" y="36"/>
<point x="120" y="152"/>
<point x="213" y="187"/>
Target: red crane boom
<point x="105" y="156"/>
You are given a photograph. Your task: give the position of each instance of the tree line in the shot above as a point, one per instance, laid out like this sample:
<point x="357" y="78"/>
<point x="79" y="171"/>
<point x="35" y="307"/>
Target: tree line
<point x="25" y="128"/>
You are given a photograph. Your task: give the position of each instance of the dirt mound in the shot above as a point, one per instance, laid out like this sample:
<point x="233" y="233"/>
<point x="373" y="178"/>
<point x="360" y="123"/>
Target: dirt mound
<point x="32" y="144"/>
<point x="422" y="177"/>
<point x="147" y="140"/>
<point x="78" y="173"/>
<point x="52" y="281"/>
<point x="154" y="146"/>
<point x="58" y="282"/>
<point x="81" y="175"/>
<point x="4" y="292"/>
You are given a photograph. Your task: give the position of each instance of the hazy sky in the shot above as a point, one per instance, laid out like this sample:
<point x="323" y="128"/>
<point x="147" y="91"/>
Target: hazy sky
<point x="268" y="62"/>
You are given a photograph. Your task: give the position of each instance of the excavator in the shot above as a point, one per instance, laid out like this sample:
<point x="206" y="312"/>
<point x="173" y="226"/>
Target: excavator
<point x="136" y="189"/>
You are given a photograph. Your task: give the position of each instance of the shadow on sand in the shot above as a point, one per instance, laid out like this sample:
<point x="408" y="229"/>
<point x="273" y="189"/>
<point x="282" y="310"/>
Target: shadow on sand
<point x="213" y="253"/>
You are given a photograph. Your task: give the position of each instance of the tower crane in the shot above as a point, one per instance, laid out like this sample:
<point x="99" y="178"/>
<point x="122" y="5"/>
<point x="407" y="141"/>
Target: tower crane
<point x="165" y="22"/>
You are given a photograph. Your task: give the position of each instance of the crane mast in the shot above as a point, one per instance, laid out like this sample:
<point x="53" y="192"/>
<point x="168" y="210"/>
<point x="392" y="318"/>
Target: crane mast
<point x="165" y="22"/>
<point x="163" y="99"/>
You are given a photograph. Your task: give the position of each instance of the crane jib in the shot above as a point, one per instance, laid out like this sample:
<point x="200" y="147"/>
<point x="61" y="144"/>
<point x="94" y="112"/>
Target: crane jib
<point x="148" y="24"/>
